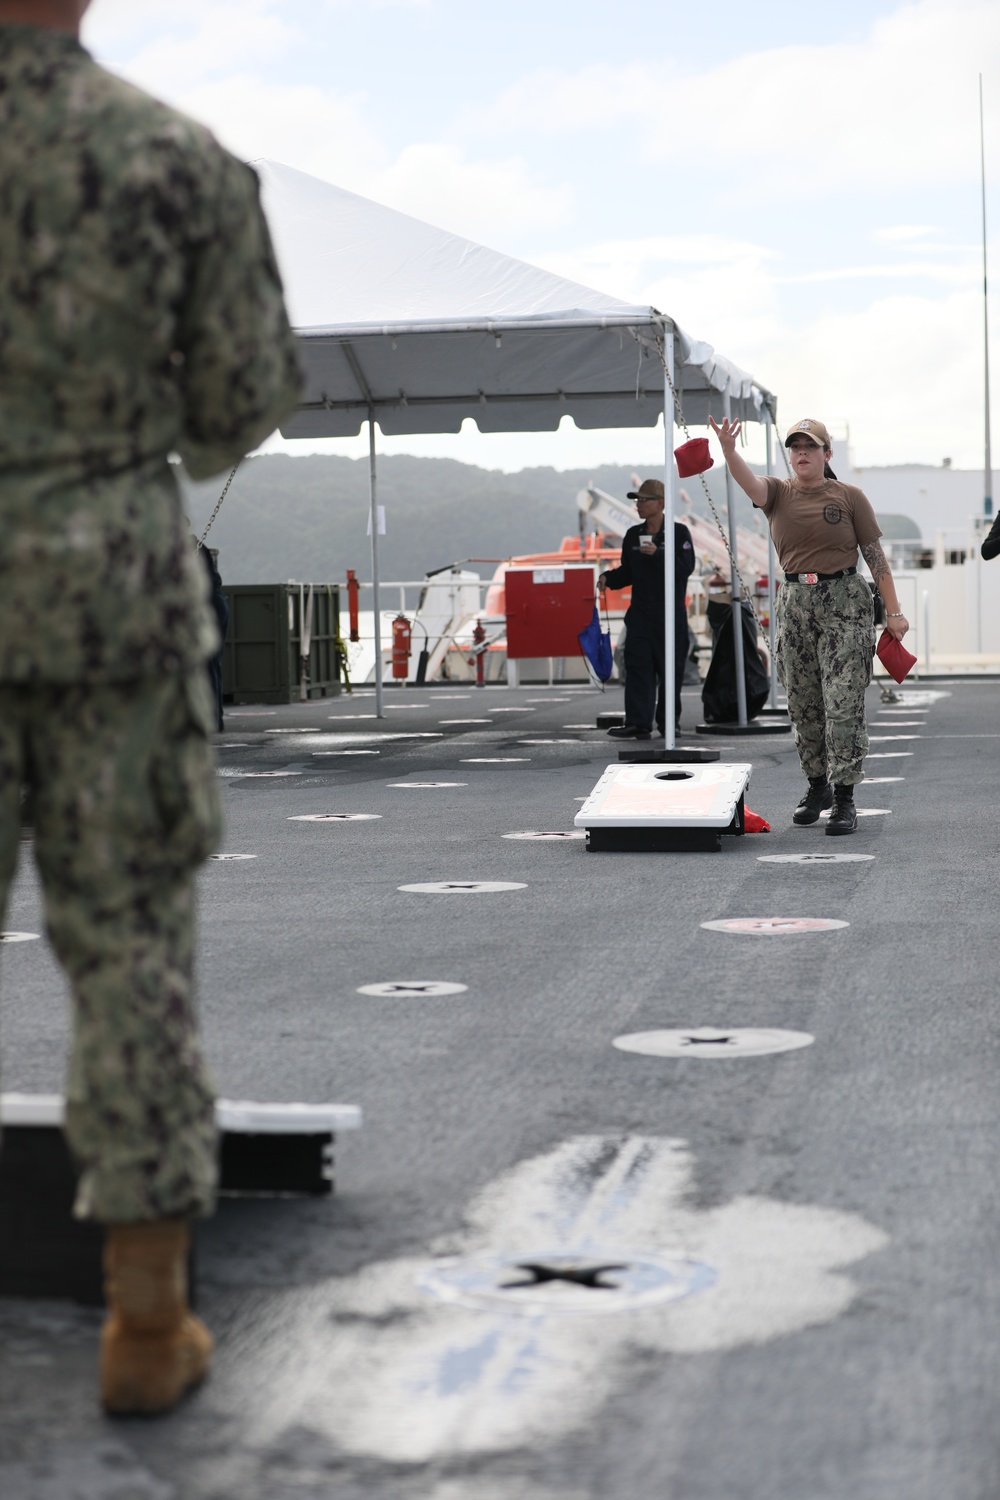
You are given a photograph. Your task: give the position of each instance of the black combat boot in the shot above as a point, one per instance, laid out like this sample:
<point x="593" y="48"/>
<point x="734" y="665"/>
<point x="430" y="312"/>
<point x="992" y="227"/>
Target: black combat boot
<point x="819" y="796"/>
<point x="844" y="818"/>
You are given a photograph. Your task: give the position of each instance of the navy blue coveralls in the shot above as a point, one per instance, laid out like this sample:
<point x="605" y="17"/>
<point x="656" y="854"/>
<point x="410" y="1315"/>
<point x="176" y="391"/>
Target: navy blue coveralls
<point x="644" y="637"/>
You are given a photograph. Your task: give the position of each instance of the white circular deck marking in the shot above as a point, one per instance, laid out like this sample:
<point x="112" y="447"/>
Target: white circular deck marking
<point x="334" y="817"/>
<point x="774" y="926"/>
<point x="579" y="726"/>
<point x="550" y="742"/>
<point x="421" y="786"/>
<point x="570" y="833"/>
<point x="898" y="723"/>
<point x="318" y="753"/>
<point x="337" y="717"/>
<point x="19" y="937"/>
<point x="494" y="760"/>
<point x="292" y="731"/>
<point x="710" y="1044"/>
<point x="416" y="988"/>
<point x="882" y="780"/>
<point x="550" y="1281"/>
<point x="883" y="739"/>
<point x="890" y="755"/>
<point x="811" y="859"/>
<point x="463" y="887"/>
<point x="234" y="745"/>
<point x="863" y="812"/>
<point x="465" y="721"/>
<point x="521" y="709"/>
<point x="224" y="857"/>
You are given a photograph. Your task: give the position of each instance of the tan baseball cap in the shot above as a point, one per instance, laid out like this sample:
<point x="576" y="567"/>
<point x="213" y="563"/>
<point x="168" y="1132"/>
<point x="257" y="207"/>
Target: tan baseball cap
<point x="649" y="489"/>
<point x="809" y="428"/>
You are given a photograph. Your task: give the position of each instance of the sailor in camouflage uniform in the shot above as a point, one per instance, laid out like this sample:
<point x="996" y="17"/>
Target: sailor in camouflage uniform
<point x="140" y="314"/>
<point x="825" y="635"/>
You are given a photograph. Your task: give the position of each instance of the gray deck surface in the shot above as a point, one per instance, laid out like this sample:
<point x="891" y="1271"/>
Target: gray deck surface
<point x="844" y="1195"/>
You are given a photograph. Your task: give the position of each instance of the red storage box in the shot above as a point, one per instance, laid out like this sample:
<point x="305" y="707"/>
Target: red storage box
<point x="546" y="610"/>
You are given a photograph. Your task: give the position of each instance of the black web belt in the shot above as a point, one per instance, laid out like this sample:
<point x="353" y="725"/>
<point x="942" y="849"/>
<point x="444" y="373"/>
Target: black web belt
<point x="819" y="577"/>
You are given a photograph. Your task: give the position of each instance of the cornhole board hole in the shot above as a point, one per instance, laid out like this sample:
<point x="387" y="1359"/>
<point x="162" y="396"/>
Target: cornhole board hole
<point x="665" y="808"/>
<point x="269" y="1150"/>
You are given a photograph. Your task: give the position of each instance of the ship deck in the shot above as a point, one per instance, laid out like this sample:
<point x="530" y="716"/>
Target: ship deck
<point x="829" y="1211"/>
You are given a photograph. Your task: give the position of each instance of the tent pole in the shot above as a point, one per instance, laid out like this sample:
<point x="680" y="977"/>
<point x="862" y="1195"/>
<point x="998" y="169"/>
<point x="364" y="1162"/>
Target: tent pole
<point x="669" y="671"/>
<point x="373" y="512"/>
<point x="741" y="682"/>
<point x="769" y="469"/>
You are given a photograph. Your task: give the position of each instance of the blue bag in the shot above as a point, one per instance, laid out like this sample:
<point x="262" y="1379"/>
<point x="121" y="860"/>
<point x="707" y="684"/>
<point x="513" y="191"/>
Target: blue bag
<point x="595" y="644"/>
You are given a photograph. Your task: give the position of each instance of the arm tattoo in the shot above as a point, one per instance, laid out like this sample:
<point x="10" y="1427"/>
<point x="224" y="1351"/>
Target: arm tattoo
<point x="875" y="558"/>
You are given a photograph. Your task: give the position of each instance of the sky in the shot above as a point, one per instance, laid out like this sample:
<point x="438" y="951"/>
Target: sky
<point x="795" y="183"/>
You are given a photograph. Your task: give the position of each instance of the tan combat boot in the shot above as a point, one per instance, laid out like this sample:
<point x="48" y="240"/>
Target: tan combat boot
<point x="153" y="1348"/>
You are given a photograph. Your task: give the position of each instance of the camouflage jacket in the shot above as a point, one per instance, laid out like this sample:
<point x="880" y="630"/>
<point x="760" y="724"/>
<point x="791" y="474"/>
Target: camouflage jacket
<point x="140" y="314"/>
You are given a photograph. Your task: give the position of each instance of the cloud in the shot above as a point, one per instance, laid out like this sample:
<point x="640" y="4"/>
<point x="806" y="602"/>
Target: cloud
<point x="328" y="135"/>
<point x="894" y="109"/>
<point x="313" y="129"/>
<point x="213" y="62"/>
<point x="894" y="234"/>
<point x="905" y="373"/>
<point x="484" y="200"/>
<point x="225" y="38"/>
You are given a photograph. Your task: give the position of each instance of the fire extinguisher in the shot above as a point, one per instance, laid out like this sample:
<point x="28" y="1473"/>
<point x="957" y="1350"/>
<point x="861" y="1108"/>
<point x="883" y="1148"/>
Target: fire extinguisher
<point x="352" y="602"/>
<point x="478" y="637"/>
<point x="401" y="630"/>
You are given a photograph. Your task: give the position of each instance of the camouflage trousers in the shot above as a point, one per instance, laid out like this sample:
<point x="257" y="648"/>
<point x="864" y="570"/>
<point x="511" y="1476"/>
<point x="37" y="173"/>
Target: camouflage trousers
<point x="824" y="650"/>
<point x="125" y="808"/>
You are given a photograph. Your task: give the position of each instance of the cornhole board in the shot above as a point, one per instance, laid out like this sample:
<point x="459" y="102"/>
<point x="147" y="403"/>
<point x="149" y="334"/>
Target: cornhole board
<point x="664" y="807"/>
<point x="265" y="1150"/>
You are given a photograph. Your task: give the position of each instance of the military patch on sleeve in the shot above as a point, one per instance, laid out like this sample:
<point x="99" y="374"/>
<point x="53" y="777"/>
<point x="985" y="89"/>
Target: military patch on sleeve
<point x="833" y="514"/>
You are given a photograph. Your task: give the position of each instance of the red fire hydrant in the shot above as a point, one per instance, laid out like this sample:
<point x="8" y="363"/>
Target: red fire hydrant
<point x="401" y="632"/>
<point x="352" y="602"/>
<point x="478" y="637"/>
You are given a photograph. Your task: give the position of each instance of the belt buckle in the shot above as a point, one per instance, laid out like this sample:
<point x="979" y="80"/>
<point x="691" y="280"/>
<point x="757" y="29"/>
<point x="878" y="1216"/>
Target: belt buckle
<point x="809" y="578"/>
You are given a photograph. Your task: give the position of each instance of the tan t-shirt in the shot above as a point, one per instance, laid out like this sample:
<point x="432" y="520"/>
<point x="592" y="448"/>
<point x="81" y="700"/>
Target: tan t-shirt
<point x="819" y="530"/>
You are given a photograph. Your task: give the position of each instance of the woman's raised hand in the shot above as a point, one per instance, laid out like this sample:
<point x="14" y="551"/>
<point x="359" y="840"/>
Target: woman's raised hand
<point x="727" y="434"/>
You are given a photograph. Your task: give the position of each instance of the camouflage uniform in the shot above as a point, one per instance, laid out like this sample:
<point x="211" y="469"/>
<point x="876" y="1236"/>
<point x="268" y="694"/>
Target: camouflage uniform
<point x="824" y="648"/>
<point x="140" y="314"/>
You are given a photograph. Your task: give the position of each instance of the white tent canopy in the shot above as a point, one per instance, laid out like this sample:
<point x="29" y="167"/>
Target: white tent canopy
<point x="426" y="329"/>
<point x="416" y="329"/>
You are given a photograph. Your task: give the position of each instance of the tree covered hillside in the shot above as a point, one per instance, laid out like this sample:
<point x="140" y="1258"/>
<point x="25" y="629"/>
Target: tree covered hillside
<point x="307" y="518"/>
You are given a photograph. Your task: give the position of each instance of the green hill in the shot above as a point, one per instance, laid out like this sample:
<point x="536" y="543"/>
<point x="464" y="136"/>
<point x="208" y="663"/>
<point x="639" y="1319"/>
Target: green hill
<point x="307" y="518"/>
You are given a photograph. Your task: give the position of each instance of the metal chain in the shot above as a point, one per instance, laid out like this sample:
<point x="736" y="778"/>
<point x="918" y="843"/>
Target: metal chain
<point x="679" y="411"/>
<point x="225" y="492"/>
<point x="784" y="450"/>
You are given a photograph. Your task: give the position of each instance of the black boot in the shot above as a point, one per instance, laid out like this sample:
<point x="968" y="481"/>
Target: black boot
<point x="844" y="818"/>
<point x="629" y="732"/>
<point x="818" y="797"/>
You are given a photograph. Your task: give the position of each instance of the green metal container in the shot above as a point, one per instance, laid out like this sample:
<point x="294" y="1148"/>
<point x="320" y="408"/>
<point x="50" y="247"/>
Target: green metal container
<point x="262" y="661"/>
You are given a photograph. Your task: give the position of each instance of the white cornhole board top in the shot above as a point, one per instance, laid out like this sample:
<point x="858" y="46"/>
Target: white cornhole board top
<point x="237" y="1116"/>
<point x="630" y="795"/>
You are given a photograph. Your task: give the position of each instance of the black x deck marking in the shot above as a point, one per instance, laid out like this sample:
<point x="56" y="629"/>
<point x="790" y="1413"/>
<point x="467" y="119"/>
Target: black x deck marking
<point x="590" y="1276"/>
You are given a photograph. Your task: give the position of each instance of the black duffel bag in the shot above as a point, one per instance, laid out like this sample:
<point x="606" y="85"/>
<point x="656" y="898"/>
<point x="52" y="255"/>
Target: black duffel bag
<point x="718" y="693"/>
